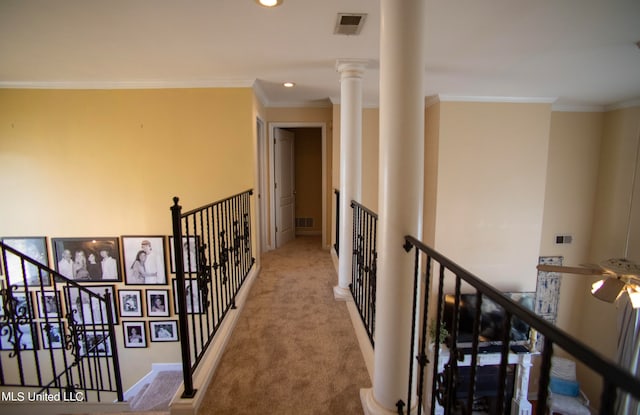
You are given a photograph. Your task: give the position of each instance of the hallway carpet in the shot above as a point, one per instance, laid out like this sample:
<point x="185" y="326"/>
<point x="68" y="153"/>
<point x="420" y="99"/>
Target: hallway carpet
<point x="294" y="350"/>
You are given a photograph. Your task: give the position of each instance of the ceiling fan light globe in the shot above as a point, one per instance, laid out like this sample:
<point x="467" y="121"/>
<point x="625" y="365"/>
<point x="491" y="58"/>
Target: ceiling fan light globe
<point x="608" y="289"/>
<point x="634" y="295"/>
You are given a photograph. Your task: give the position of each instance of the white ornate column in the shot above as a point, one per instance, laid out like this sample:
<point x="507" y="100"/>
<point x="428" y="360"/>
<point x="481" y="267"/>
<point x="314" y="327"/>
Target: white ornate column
<point x="400" y="194"/>
<point x="351" y="72"/>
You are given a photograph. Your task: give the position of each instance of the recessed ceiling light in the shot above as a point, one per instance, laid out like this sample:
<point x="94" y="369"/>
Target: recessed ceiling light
<point x="269" y="3"/>
<point x="288" y="84"/>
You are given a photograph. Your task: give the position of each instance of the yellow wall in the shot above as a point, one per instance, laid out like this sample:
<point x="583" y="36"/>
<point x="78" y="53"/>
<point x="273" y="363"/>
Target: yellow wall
<point x="492" y="167"/>
<point x="617" y="166"/>
<point x="370" y="148"/>
<point x="82" y="163"/>
<point x="572" y="174"/>
<point x="308" y="177"/>
<point x="432" y="135"/>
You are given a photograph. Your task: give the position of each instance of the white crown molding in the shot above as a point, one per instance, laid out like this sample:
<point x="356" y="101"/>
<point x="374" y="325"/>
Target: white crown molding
<point x="577" y="108"/>
<point x="125" y="84"/>
<point x="624" y="104"/>
<point x="365" y="104"/>
<point x="260" y="94"/>
<point x="496" y="99"/>
<point x="302" y="104"/>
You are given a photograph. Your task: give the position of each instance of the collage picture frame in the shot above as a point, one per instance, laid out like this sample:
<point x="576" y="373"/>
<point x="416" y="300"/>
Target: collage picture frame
<point x="97" y="263"/>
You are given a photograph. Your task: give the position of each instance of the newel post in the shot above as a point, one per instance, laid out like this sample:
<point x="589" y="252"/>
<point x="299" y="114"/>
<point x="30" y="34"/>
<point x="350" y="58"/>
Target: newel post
<point x="176" y="217"/>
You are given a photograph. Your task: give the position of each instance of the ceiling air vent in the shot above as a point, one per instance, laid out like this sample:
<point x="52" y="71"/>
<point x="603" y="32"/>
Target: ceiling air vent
<point x="350" y="23"/>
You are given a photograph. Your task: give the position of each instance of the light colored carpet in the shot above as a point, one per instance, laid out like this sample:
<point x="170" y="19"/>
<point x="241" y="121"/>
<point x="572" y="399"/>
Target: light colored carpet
<point x="294" y="350"/>
<point x="157" y="395"/>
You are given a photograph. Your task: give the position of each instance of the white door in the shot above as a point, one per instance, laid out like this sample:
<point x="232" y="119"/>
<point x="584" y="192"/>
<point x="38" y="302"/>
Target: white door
<point x="284" y="186"/>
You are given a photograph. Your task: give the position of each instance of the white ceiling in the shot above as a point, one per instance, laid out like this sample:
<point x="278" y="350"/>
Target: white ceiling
<point x="581" y="53"/>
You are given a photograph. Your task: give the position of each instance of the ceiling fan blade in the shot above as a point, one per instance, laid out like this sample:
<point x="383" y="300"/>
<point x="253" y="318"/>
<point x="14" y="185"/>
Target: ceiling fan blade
<point x="572" y="270"/>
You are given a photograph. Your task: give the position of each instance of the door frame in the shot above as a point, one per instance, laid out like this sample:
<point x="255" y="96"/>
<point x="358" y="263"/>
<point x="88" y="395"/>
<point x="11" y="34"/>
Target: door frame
<point x="270" y="153"/>
<point x="261" y="180"/>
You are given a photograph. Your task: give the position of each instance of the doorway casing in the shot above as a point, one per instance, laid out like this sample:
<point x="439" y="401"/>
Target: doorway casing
<point x="267" y="160"/>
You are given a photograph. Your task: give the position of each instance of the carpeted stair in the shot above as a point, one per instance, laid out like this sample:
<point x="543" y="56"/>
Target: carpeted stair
<point x="157" y="395"/>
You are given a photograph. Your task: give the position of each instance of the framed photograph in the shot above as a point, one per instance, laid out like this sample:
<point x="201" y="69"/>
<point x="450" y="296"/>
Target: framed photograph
<point x="144" y="260"/>
<point x="88" y="259"/>
<point x="48" y="304"/>
<point x="24" y="333"/>
<point x="130" y="303"/>
<point x="87" y="309"/>
<point x="95" y="343"/>
<point x="189" y="254"/>
<point x="52" y="335"/>
<point x="135" y="334"/>
<point x="35" y="247"/>
<point x="158" y="303"/>
<point x="164" y="331"/>
<point x="23" y="305"/>
<point x="193" y="295"/>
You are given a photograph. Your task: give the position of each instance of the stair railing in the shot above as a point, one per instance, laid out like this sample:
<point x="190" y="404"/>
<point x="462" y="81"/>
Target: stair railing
<point x="213" y="257"/>
<point x="336" y="245"/>
<point x="67" y="349"/>
<point x="364" y="265"/>
<point x="447" y="393"/>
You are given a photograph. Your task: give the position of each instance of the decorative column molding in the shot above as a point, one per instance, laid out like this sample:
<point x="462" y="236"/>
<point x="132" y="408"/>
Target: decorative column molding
<point x="351" y="73"/>
<point x="400" y="195"/>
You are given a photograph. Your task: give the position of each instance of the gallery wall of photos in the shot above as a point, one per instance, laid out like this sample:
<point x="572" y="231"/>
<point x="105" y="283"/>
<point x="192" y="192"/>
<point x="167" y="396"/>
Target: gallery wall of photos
<point x="136" y="270"/>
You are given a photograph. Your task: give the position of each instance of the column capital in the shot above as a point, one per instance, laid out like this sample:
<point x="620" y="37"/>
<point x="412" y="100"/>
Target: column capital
<point x="351" y="68"/>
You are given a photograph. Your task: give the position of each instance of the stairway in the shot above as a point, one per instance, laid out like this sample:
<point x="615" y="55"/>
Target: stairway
<point x="156" y="395"/>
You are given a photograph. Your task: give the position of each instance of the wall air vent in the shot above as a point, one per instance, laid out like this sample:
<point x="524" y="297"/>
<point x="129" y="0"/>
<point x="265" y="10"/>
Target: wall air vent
<point x="349" y="23"/>
<point x="304" y="222"/>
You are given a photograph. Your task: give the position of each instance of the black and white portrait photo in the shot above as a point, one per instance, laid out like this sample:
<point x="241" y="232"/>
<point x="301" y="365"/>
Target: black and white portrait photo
<point x="23" y="334"/>
<point x="36" y="249"/>
<point x="158" y="303"/>
<point x="134" y="334"/>
<point x="94" y="343"/>
<point x="144" y="260"/>
<point x="130" y="303"/>
<point x="88" y="259"/>
<point x="52" y="335"/>
<point x="89" y="309"/>
<point x="189" y="254"/>
<point x="164" y="331"/>
<point x="193" y="296"/>
<point x="48" y="304"/>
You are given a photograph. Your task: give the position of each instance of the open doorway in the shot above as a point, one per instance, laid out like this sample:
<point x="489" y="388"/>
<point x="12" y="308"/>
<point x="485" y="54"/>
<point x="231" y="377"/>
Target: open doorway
<point x="306" y="213"/>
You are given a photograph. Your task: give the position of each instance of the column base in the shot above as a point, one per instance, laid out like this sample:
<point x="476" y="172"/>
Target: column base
<point x="341" y="294"/>
<point x="372" y="407"/>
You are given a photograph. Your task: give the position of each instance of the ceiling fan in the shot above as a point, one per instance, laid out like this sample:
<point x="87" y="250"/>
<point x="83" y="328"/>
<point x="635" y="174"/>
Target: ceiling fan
<point x="619" y="275"/>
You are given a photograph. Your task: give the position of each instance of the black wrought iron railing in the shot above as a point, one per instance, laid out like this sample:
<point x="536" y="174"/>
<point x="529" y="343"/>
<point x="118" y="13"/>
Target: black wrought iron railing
<point x="364" y="265"/>
<point x="336" y="245"/>
<point x="448" y="392"/>
<point x="212" y="261"/>
<point x="57" y="338"/>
